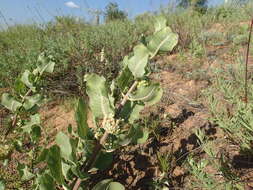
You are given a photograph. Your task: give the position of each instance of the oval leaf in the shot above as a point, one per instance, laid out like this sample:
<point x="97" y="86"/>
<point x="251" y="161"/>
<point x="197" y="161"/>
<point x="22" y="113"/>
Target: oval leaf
<point x="102" y="185"/>
<point x="125" y="79"/>
<point x="32" y="101"/>
<point x="138" y="62"/>
<point x="131" y="111"/>
<point x="34" y="120"/>
<point x="81" y="119"/>
<point x="135" y="113"/>
<point x="25" y="78"/>
<point x="54" y="163"/>
<point x="10" y="103"/>
<point x="138" y="134"/>
<point x="46" y="182"/>
<point x="97" y="91"/>
<point x="160" y="23"/>
<point x="45" y="64"/>
<point x="64" y="142"/>
<point x="115" y="186"/>
<point x="149" y="94"/>
<point x="24" y="172"/>
<point x="104" y="160"/>
<point x="163" y="40"/>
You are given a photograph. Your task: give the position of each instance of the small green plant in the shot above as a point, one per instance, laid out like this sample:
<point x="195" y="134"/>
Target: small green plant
<point x="196" y="49"/>
<point x="162" y="181"/>
<point x="199" y="169"/>
<point x="227" y="107"/>
<point x="26" y="98"/>
<point x="115" y="106"/>
<point x="164" y="162"/>
<point x="25" y="124"/>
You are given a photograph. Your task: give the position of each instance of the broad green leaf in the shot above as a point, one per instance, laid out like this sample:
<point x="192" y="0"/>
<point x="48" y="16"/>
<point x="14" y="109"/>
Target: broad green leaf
<point x="24" y="172"/>
<point x="126" y="110"/>
<point x="160" y="23"/>
<point x="45" y="64"/>
<point x="32" y="101"/>
<point x="108" y="184"/>
<point x="115" y="186"/>
<point x="55" y="164"/>
<point x="124" y="79"/>
<point x="125" y="61"/>
<point x="65" y="169"/>
<point x="34" y="120"/>
<point x="124" y="139"/>
<point x="138" y="62"/>
<point x="131" y="111"/>
<point x="2" y="185"/>
<point x="46" y="182"/>
<point x="70" y="129"/>
<point x="135" y="113"/>
<point x="36" y="133"/>
<point x="66" y="146"/>
<point x="104" y="160"/>
<point x="149" y="94"/>
<point x="10" y="103"/>
<point x="102" y="185"/>
<point x="81" y="119"/>
<point x="43" y="156"/>
<point x="139" y="134"/>
<point x="25" y="78"/>
<point x="97" y="91"/>
<point x="19" y="87"/>
<point x="163" y="40"/>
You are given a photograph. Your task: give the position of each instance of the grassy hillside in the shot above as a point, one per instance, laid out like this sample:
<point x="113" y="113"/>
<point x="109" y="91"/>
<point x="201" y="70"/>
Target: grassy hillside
<point x="200" y="133"/>
<point x="75" y="43"/>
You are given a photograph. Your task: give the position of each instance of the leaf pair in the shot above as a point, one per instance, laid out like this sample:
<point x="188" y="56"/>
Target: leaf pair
<point x="44" y="64"/>
<point x="148" y="93"/>
<point x="163" y="40"/>
<point x="32" y="127"/>
<point x="47" y="180"/>
<point x="10" y="103"/>
<point x="29" y="79"/>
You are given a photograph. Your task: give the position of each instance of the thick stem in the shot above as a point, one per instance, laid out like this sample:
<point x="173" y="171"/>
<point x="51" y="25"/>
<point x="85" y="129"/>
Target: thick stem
<point x="103" y="139"/>
<point x="14" y="121"/>
<point x="125" y="98"/>
<point x="93" y="158"/>
<point x="96" y="151"/>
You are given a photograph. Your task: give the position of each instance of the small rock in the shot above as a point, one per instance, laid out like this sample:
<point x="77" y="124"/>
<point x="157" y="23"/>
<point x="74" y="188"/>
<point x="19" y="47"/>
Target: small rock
<point x="178" y="171"/>
<point x="173" y="111"/>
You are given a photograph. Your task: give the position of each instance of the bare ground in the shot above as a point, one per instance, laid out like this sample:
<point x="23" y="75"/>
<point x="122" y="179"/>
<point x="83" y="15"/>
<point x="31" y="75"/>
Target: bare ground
<point x="180" y="113"/>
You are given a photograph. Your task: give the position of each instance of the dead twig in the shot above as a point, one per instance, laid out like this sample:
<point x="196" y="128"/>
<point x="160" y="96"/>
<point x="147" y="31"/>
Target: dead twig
<point x="246" y="64"/>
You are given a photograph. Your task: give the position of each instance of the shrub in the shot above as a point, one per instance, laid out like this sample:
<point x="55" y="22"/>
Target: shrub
<point x="115" y="107"/>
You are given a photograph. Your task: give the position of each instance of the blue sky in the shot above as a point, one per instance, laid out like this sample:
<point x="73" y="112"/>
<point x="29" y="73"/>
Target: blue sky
<point x="27" y="11"/>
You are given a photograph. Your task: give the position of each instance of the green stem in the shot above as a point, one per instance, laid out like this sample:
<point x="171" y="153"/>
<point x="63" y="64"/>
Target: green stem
<point x="14" y="121"/>
<point x="103" y="139"/>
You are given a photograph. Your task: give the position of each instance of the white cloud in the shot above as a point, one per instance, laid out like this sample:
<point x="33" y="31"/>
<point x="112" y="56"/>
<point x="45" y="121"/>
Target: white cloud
<point x="71" y="4"/>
